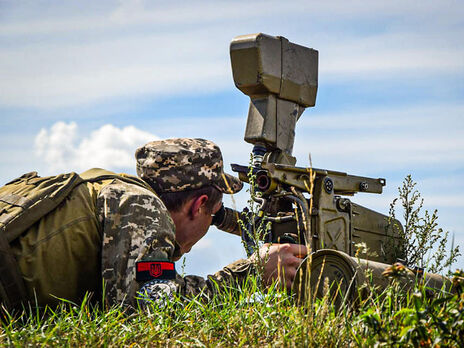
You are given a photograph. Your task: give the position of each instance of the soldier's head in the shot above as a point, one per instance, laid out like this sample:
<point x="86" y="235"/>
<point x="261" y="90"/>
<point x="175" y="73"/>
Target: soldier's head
<point x="188" y="176"/>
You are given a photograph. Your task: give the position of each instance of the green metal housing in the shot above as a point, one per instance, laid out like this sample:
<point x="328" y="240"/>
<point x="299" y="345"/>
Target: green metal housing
<point x="281" y="80"/>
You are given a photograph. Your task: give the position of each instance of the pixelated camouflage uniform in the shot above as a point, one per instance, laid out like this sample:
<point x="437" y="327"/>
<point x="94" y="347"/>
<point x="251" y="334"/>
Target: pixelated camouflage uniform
<point x="137" y="226"/>
<point x="103" y="228"/>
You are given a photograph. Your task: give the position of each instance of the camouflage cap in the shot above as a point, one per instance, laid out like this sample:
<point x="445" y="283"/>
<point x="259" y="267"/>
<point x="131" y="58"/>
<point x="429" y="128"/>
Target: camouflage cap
<point x="181" y="164"/>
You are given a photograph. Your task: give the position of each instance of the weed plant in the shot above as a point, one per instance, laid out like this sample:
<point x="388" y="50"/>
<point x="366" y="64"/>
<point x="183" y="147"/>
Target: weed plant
<point x="422" y="242"/>
<point x="248" y="317"/>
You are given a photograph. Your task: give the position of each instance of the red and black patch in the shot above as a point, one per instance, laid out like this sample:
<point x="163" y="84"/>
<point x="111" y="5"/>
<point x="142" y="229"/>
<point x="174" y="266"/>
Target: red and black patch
<point x="147" y="270"/>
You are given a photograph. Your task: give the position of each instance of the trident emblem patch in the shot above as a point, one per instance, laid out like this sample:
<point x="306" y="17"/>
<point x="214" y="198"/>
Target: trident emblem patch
<point x="155" y="270"/>
<point x="146" y="270"/>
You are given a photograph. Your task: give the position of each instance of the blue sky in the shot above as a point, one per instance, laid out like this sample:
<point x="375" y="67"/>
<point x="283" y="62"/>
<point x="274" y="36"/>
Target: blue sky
<point x="84" y="84"/>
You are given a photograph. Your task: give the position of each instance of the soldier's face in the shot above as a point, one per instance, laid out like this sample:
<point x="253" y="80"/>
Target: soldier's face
<point x="198" y="227"/>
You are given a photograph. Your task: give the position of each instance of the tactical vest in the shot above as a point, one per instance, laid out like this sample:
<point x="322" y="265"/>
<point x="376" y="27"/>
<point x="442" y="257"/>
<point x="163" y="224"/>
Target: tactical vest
<point x="50" y="236"/>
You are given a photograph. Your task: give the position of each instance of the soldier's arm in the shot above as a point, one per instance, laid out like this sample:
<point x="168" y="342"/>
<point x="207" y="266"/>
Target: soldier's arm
<point x="233" y="275"/>
<point x="137" y="227"/>
<point x="279" y="264"/>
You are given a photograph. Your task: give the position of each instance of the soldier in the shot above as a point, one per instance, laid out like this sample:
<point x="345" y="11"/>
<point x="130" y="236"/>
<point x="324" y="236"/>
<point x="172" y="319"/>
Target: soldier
<point x="126" y="233"/>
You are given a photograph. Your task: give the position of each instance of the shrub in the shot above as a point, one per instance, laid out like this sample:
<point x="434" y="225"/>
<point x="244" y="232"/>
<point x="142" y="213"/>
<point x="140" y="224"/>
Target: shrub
<point x="422" y="242"/>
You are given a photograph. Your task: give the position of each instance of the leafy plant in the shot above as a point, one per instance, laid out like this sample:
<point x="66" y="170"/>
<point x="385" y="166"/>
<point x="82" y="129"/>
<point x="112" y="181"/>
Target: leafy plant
<point x="422" y="242"/>
<point x="398" y="318"/>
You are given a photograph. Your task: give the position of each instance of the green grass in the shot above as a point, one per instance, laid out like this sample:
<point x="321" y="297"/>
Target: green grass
<point x="246" y="318"/>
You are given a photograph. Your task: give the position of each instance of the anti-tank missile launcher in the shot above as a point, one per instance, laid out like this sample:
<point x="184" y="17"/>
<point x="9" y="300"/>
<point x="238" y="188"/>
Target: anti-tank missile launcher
<point x="304" y="205"/>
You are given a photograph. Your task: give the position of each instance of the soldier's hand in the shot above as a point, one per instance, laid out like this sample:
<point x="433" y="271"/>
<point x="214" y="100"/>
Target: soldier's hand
<point x="281" y="262"/>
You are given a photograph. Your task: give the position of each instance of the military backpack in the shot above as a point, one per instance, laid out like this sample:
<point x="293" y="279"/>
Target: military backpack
<point x="23" y="202"/>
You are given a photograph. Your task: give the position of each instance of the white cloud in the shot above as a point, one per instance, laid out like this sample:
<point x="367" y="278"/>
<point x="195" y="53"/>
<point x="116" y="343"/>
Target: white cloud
<point x="56" y="146"/>
<point x="378" y="118"/>
<point x="142" y="48"/>
<point x="385" y="139"/>
<point x="108" y="147"/>
<point x="135" y="12"/>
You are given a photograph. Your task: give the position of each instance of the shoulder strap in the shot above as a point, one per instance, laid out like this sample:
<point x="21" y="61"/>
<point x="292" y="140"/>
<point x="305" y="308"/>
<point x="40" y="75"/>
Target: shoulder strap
<point x="36" y="195"/>
<point x="96" y="174"/>
<point x="31" y="197"/>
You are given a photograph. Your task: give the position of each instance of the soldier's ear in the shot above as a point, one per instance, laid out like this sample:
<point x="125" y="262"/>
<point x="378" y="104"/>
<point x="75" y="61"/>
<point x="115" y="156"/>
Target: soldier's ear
<point x="198" y="205"/>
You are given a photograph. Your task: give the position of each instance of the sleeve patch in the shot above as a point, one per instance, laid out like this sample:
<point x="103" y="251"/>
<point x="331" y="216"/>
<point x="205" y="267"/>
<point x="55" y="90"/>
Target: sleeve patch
<point x="157" y="291"/>
<point x="148" y="270"/>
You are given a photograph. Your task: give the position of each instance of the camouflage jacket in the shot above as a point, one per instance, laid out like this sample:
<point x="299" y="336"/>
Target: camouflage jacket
<point x="137" y="227"/>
